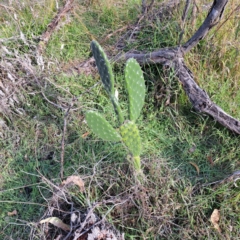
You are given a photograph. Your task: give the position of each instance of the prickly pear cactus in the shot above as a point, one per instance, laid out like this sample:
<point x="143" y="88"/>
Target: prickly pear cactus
<point x="135" y="87"/>
<point x="104" y="67"/>
<point x="128" y="131"/>
<point x="101" y="127"/>
<point x="106" y="74"/>
<point x="131" y="138"/>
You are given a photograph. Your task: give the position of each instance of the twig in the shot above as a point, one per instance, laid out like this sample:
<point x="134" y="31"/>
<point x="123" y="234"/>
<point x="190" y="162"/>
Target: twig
<point x="144" y="6"/>
<point x="44" y="96"/>
<point x="4" y="6"/>
<point x="184" y="16"/>
<point x="63" y="139"/>
<point x="90" y="212"/>
<point x="116" y="31"/>
<point x="234" y="177"/>
<point x="145" y="9"/>
<point x="185" y="12"/>
<point x="17" y="202"/>
<point x="194" y="12"/>
<point x="54" y="104"/>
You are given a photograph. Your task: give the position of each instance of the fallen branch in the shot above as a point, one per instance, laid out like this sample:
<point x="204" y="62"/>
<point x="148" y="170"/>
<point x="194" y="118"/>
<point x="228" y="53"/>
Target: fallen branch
<point x="200" y="99"/>
<point x="174" y="57"/>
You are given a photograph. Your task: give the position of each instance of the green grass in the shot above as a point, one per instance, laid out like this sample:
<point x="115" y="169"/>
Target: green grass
<point x="174" y="136"/>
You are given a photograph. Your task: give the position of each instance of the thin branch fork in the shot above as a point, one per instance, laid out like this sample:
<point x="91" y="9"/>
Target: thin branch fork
<point x="174" y="57"/>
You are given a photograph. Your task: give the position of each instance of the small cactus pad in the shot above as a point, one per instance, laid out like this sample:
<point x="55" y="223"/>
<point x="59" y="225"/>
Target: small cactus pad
<point x="135" y="87"/>
<point x="104" y="67"/>
<point x="101" y="127"/>
<point x="131" y="138"/>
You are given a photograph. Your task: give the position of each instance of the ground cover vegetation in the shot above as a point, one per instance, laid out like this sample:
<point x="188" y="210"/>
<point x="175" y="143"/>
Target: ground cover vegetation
<point x="49" y="81"/>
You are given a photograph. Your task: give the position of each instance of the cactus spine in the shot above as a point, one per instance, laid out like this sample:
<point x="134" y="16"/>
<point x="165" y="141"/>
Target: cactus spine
<point x="128" y="130"/>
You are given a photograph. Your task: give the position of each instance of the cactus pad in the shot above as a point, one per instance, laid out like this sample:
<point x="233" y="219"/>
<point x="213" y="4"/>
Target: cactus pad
<point x="101" y="127"/>
<point x="131" y="138"/>
<point x="135" y="87"/>
<point x="104" y="67"/>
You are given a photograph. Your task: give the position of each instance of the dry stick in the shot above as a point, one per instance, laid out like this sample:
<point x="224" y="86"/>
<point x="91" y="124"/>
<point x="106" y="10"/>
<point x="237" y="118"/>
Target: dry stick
<point x="144" y="6"/>
<point x="53" y="25"/>
<point x="17" y="202"/>
<point x="145" y="9"/>
<point x="233" y="178"/>
<point x="185" y="12"/>
<point x="174" y="57"/>
<point x="63" y="139"/>
<point x="194" y="13"/>
<point x="184" y="17"/>
<point x="113" y="33"/>
<point x="5" y="7"/>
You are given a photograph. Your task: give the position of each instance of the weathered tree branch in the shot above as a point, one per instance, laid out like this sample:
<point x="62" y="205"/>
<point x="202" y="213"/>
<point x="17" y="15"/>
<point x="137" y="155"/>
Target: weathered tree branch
<point x="200" y="99"/>
<point x="174" y="57"/>
<point x="212" y="19"/>
<point x="162" y="56"/>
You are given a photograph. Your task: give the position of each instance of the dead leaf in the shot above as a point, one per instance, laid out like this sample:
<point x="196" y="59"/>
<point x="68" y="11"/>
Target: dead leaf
<point x="59" y="237"/>
<point x="75" y="180"/>
<point x="13" y="213"/>
<point x="196" y="166"/>
<point x="85" y="134"/>
<point x="56" y="222"/>
<point x="215" y="217"/>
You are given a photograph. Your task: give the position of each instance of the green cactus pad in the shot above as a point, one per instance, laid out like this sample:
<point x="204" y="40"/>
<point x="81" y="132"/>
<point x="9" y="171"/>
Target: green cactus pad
<point x="131" y="138"/>
<point x="104" y="67"/>
<point x="135" y="87"/>
<point x="101" y="127"/>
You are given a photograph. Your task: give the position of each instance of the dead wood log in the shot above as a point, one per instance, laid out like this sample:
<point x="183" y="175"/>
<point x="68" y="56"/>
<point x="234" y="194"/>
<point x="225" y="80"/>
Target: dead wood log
<point x="174" y="57"/>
